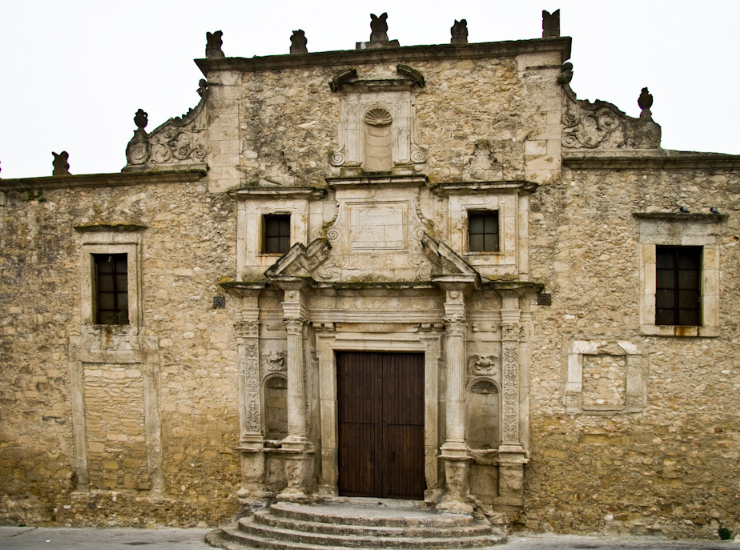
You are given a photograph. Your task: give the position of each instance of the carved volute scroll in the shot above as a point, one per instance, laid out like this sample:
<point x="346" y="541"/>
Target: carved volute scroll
<point x="178" y="142"/>
<point x="601" y="125"/>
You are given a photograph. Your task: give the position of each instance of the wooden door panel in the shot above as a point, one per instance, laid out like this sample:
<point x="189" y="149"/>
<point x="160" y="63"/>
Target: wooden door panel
<point x="381" y="424"/>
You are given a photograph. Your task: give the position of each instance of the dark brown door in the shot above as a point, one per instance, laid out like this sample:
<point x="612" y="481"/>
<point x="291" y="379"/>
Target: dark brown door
<point x="381" y="424"/>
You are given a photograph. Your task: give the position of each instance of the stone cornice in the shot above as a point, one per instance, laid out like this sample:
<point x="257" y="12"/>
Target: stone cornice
<point x="185" y="175"/>
<point x="369" y="180"/>
<point x="681" y="217"/>
<point x="478" y="187"/>
<point x="650" y="160"/>
<point x="408" y="54"/>
<point x="272" y="193"/>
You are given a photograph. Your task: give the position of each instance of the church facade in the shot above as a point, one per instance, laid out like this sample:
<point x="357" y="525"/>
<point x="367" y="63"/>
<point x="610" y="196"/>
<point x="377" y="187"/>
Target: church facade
<point x="428" y="273"/>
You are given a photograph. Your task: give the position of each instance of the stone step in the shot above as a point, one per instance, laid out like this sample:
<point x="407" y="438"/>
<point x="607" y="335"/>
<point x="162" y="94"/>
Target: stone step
<point x="232" y="538"/>
<point x="348" y="529"/>
<point x="408" y="540"/>
<point x="337" y="513"/>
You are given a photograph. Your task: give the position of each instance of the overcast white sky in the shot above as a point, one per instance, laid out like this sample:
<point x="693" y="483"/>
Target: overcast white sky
<point x="74" y="72"/>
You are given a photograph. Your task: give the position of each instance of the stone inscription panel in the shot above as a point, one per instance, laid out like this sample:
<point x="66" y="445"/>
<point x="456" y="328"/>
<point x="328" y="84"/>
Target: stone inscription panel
<point x="377" y="227"/>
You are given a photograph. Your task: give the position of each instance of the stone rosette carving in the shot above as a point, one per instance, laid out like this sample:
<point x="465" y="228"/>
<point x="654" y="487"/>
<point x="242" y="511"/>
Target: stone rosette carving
<point x="181" y="141"/>
<point x="601" y="125"/>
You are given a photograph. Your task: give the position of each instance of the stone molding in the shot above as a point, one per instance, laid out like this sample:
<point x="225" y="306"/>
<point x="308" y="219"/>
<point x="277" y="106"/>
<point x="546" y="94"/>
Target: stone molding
<point x="650" y="160"/>
<point x="409" y="54"/>
<point x="635" y="376"/>
<point x="190" y="174"/>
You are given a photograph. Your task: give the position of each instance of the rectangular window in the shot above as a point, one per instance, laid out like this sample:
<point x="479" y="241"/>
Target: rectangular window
<point x="678" y="285"/>
<point x="483" y="231"/>
<point x="277" y="233"/>
<point x="111" y="289"/>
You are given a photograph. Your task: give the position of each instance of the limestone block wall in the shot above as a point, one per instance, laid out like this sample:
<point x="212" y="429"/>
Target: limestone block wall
<point x="662" y="460"/>
<point x="187" y="246"/>
<point x="288" y="123"/>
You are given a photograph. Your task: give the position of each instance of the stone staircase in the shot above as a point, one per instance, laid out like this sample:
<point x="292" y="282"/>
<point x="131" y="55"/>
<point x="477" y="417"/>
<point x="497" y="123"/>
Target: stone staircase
<point x="357" y="524"/>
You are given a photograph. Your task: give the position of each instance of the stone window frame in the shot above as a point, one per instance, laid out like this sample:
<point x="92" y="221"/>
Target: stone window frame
<point x="667" y="229"/>
<point x="636" y="376"/>
<point x="506" y="205"/>
<point x="121" y="239"/>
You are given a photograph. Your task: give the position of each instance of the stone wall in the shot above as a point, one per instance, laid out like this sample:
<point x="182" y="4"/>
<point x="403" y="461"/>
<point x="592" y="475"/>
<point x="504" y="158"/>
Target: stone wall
<point x="670" y="466"/>
<point x="186" y="250"/>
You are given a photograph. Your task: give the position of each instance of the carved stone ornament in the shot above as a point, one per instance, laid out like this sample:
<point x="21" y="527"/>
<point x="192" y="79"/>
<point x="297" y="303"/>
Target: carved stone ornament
<point x="298" y="42"/>
<point x="213" y="44"/>
<point x="61" y="166"/>
<point x="550" y="24"/>
<point x="483" y="365"/>
<point x="371" y="110"/>
<point x="510" y="383"/>
<point x="247" y="329"/>
<point x="179" y="141"/>
<point x="294" y="325"/>
<point x="484" y="386"/>
<point x="251" y="380"/>
<point x="601" y="125"/>
<point x="459" y="32"/>
<point x="275" y="361"/>
<point x="482" y="164"/>
<point x="455" y="325"/>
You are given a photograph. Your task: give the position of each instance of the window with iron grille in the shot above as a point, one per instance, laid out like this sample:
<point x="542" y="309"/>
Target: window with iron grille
<point x="277" y="233"/>
<point x="111" y="289"/>
<point x="483" y="231"/>
<point x="678" y="285"/>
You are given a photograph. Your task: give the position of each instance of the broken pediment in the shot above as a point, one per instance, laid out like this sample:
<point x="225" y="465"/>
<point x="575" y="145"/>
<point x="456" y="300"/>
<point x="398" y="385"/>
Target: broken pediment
<point x="445" y="259"/>
<point x="300" y="260"/>
<point x="602" y="125"/>
<point x="177" y="143"/>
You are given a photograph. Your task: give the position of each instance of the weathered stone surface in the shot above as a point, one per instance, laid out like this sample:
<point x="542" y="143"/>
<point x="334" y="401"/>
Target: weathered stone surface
<point x="575" y="415"/>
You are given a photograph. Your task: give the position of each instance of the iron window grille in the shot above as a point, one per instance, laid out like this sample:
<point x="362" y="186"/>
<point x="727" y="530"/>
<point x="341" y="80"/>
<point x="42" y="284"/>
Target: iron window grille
<point x="111" y="289"/>
<point x="678" y="285"/>
<point x="277" y="233"/>
<point x="483" y="235"/>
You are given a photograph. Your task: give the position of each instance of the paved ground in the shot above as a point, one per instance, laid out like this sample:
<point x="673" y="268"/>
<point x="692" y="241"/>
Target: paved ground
<point x="29" y="538"/>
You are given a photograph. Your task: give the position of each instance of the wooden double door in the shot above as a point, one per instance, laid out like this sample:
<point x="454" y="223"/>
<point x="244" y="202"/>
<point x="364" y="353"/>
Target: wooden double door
<point x="381" y="424"/>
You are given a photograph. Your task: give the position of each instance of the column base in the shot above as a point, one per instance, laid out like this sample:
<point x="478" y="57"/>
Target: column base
<point x="512" y="459"/>
<point x="457" y="498"/>
<point x="299" y="474"/>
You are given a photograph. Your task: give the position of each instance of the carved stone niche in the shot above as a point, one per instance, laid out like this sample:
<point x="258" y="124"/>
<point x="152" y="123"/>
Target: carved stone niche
<point x="377" y="131"/>
<point x="276" y="406"/>
<point x="484" y="416"/>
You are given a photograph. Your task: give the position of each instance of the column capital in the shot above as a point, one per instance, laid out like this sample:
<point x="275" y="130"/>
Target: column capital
<point x="455" y="325"/>
<point x="247" y="329"/>
<point x="294" y="325"/>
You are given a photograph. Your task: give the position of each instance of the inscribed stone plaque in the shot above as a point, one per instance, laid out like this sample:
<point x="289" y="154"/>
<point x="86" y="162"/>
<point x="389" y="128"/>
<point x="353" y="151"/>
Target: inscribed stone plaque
<point x="377" y="227"/>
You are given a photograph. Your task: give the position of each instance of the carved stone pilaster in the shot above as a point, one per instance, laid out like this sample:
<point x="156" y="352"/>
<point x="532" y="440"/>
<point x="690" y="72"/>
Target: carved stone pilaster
<point x="512" y="455"/>
<point x="510" y="381"/>
<point x="250" y="410"/>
